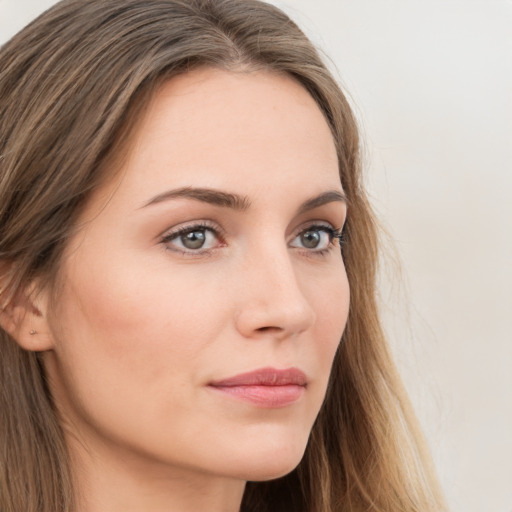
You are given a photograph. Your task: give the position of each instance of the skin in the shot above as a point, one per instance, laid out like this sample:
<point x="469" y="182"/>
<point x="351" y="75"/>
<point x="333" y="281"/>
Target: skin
<point x="141" y="327"/>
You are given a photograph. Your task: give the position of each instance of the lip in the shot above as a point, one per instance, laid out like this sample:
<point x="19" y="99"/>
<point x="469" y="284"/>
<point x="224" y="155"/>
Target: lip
<point x="265" y="387"/>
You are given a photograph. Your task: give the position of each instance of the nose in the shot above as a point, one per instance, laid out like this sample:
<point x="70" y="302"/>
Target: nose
<point x="271" y="302"/>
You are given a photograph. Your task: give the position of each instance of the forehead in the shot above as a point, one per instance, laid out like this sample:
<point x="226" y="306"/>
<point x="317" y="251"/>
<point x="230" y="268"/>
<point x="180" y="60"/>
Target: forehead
<point x="231" y="130"/>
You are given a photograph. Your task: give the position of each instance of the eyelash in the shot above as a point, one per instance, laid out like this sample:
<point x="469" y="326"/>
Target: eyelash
<point x="202" y="226"/>
<point x="334" y="235"/>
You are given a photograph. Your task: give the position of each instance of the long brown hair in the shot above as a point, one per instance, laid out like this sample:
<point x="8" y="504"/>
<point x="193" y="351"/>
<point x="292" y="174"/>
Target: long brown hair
<point x="72" y="85"/>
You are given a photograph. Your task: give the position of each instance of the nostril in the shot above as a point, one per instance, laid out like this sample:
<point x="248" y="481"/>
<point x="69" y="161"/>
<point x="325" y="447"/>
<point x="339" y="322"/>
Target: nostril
<point x="269" y="329"/>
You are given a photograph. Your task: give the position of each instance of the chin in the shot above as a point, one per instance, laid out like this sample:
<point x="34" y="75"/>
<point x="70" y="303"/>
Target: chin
<point x="269" y="463"/>
<point x="272" y="473"/>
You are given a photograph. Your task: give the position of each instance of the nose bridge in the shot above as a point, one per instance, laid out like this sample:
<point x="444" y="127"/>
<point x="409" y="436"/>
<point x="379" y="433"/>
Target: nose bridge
<point x="273" y="300"/>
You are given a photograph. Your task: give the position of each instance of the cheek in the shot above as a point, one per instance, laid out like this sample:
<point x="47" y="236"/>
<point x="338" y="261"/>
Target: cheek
<point x="129" y="351"/>
<point x="133" y="323"/>
<point x="123" y="335"/>
<point x="331" y="301"/>
<point x="330" y="295"/>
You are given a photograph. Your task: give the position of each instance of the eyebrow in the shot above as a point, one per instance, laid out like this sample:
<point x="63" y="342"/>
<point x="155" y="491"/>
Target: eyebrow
<point x="205" y="195"/>
<point x="237" y="202"/>
<point x="330" y="196"/>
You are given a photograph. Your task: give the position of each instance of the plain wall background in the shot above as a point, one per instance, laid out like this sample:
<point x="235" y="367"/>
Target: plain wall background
<point x="431" y="82"/>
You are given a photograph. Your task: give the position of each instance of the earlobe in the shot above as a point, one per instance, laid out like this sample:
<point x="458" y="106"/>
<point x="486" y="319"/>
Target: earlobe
<point x="24" y="319"/>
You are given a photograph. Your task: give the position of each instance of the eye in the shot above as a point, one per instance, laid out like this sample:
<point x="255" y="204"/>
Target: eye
<point x="316" y="238"/>
<point x="197" y="238"/>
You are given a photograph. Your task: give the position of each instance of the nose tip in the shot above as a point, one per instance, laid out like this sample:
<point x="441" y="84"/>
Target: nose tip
<point x="275" y="307"/>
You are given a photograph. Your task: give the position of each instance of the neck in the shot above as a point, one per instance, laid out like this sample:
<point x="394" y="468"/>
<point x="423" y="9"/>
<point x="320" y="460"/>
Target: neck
<point x="129" y="483"/>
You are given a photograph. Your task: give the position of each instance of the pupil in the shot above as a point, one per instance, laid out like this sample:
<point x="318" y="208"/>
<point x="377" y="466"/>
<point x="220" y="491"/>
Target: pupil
<point x="311" y="239"/>
<point x="194" y="239"/>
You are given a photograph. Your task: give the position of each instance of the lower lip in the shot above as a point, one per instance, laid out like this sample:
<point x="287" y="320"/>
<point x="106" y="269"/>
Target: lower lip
<point x="264" y="396"/>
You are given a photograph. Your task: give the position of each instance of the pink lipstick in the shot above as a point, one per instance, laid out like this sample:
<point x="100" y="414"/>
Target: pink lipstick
<point x="266" y="387"/>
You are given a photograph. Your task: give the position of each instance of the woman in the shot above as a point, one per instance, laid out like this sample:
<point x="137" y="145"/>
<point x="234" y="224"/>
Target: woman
<point x="175" y="178"/>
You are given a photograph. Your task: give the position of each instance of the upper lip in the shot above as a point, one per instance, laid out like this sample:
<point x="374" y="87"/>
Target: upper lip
<point x="265" y="377"/>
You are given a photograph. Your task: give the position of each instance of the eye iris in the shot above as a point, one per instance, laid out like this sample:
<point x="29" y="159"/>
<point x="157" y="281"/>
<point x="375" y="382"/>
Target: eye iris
<point x="193" y="239"/>
<point x="311" y="239"/>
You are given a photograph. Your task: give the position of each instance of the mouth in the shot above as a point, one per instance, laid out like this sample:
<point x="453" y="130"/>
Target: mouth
<point x="265" y="387"/>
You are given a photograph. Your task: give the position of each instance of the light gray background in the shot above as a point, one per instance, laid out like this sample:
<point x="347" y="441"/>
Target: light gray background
<point x="431" y="81"/>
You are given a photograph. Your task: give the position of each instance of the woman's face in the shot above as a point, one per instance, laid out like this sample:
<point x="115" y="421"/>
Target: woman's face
<point x="204" y="297"/>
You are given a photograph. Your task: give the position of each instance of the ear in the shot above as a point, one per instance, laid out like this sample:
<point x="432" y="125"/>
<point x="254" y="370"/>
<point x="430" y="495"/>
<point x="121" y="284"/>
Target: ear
<point x="24" y="318"/>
